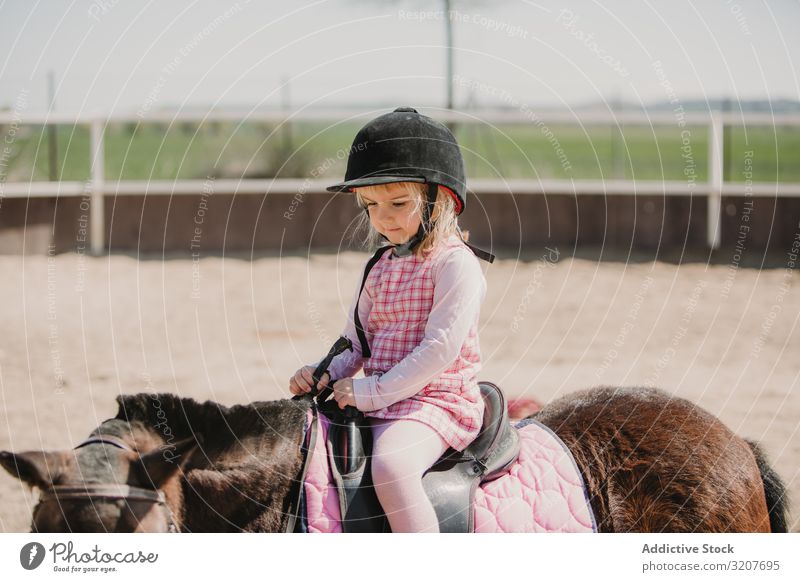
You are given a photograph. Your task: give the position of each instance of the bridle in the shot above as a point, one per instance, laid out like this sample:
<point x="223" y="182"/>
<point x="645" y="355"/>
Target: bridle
<point x="114" y="491"/>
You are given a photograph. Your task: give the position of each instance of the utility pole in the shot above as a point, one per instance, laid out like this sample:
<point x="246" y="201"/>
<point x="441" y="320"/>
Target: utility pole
<point x="286" y="104"/>
<point x="52" y="129"/>
<point x="448" y="26"/>
<point x="727" y="107"/>
<point x="448" y="23"/>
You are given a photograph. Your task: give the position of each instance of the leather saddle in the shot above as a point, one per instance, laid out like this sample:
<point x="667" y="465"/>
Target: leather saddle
<point x="450" y="483"/>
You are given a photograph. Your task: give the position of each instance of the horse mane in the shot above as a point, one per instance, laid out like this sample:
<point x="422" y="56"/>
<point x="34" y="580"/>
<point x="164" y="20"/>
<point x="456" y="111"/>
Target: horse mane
<point x="185" y="417"/>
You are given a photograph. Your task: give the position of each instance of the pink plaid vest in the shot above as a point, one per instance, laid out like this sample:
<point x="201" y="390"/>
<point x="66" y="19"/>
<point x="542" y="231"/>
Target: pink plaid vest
<point x="402" y="296"/>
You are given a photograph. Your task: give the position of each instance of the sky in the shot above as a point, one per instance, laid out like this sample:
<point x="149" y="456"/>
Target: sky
<point x="109" y="56"/>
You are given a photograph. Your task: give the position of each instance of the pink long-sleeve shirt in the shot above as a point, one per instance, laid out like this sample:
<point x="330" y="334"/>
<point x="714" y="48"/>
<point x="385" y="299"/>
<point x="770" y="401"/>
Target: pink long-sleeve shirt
<point x="460" y="288"/>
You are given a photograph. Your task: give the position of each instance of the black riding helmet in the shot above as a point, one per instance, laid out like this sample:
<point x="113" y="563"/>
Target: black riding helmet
<point x="404" y="146"/>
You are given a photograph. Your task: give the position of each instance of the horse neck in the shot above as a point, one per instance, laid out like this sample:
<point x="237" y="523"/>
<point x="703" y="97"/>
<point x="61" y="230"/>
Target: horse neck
<point x="245" y="484"/>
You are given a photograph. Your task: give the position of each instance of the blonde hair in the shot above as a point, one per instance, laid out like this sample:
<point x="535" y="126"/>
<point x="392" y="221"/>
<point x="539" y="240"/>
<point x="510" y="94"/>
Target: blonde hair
<point x="445" y="221"/>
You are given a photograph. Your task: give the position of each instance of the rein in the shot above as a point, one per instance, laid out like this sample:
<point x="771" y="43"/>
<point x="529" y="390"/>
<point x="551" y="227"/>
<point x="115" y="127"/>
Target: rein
<point x="109" y="490"/>
<point x="316" y="399"/>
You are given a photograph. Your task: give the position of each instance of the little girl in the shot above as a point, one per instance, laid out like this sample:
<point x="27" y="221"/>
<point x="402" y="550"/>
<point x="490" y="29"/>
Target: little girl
<point x="420" y="298"/>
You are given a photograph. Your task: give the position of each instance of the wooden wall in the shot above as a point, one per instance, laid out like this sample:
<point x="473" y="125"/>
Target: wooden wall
<point x="211" y="224"/>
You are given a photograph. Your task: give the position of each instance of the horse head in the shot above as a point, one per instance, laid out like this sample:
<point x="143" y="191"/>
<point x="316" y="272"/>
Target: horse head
<point x="169" y="463"/>
<point x="123" y="478"/>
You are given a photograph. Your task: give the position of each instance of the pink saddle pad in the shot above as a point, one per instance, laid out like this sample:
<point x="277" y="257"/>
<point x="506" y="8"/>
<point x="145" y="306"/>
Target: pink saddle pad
<point x="542" y="492"/>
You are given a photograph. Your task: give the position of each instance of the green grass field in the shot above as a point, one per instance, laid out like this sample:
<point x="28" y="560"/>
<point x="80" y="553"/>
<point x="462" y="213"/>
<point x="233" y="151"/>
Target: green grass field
<point x="229" y="150"/>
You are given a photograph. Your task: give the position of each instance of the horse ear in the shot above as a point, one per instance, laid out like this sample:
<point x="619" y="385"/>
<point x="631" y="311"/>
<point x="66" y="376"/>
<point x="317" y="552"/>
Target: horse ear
<point x="36" y="468"/>
<point x="159" y="466"/>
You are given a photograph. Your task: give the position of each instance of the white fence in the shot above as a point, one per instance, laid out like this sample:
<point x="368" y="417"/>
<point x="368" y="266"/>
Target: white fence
<point x="97" y="187"/>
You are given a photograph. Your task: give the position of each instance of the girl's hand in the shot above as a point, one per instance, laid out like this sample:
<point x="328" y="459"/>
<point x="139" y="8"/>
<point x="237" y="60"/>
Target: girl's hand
<point x="303" y="379"/>
<point x="343" y="392"/>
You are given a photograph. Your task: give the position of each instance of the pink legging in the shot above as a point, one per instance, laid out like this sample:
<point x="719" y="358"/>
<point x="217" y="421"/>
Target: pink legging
<point x="402" y="451"/>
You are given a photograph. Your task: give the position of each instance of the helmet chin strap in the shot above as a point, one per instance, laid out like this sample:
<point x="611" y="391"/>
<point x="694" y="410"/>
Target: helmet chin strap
<point x="425" y="225"/>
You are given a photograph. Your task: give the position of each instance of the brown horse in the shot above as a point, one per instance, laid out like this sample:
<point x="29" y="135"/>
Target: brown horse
<point x="651" y="463"/>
